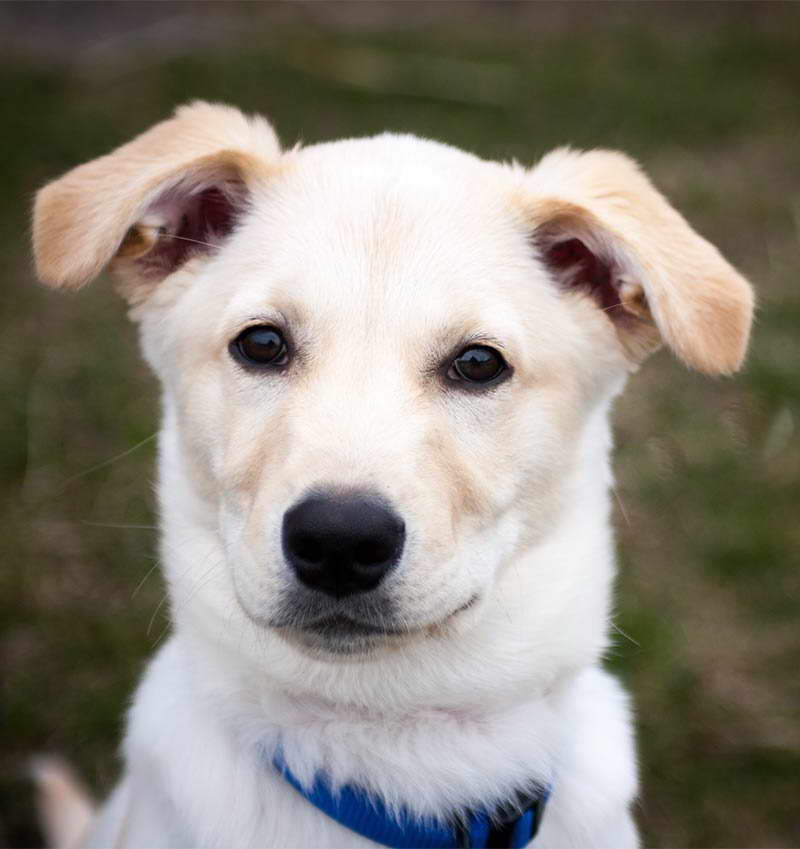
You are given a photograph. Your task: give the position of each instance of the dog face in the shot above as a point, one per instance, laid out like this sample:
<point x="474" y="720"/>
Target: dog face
<point x="386" y="362"/>
<point x="374" y="293"/>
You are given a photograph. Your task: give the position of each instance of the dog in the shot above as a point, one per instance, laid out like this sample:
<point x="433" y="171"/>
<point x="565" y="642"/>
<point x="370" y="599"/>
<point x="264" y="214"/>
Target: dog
<point x="387" y="367"/>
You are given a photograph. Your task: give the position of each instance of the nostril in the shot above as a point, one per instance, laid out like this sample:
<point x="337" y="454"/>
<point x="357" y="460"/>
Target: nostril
<point x="308" y="548"/>
<point x="372" y="552"/>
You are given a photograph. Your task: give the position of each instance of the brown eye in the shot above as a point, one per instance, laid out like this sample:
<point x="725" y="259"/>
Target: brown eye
<point x="479" y="364"/>
<point x="261" y="345"/>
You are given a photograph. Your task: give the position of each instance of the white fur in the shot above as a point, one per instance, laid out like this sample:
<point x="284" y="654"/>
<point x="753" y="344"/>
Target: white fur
<point x="381" y="255"/>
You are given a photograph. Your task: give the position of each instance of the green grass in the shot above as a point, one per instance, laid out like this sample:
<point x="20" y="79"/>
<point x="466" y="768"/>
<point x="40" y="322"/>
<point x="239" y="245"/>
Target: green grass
<point x="708" y="470"/>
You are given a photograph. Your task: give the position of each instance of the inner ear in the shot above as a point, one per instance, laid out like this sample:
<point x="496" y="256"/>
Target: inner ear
<point x="183" y="221"/>
<point x="575" y="266"/>
<point x="581" y="261"/>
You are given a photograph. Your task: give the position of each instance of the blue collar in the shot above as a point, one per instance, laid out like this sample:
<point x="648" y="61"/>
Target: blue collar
<point x="511" y="826"/>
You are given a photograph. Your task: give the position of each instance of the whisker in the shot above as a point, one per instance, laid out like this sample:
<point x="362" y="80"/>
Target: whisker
<point x="621" y="507"/>
<point x="147" y="574"/>
<point x="202" y="581"/>
<point x="627" y="636"/>
<point x="160" y="637"/>
<point x="122" y="525"/>
<point x="69" y="481"/>
<point x="162" y="235"/>
<point x="155" y="613"/>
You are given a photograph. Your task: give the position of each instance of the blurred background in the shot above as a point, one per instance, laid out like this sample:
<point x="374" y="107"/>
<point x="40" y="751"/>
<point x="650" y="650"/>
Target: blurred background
<point x="706" y="96"/>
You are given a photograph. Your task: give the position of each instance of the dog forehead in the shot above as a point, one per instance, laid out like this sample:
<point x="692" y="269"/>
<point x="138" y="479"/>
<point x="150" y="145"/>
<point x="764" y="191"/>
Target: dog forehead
<point x="389" y="156"/>
<point x="385" y="220"/>
<point x="395" y="188"/>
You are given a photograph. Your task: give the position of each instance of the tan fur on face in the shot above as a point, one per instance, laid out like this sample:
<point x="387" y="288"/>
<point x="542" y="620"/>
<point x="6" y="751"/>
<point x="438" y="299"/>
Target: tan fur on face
<point x="81" y="220"/>
<point x="456" y="479"/>
<point x="700" y="305"/>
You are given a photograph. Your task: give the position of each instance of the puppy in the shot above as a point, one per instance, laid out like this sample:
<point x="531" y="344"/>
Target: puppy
<point x="387" y="367"/>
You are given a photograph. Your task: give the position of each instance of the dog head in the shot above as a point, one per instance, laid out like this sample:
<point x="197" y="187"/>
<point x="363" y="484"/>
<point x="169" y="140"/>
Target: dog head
<point x="386" y="368"/>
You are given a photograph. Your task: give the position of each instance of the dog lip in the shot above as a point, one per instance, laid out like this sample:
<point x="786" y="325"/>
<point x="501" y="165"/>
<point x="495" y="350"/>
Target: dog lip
<point x="341" y="625"/>
<point x="338" y="624"/>
<point x="466" y="606"/>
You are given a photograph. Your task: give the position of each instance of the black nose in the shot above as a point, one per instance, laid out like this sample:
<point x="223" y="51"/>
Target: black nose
<point x="342" y="544"/>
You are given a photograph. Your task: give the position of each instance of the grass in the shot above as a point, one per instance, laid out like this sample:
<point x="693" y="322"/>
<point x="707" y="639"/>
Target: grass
<point x="708" y="470"/>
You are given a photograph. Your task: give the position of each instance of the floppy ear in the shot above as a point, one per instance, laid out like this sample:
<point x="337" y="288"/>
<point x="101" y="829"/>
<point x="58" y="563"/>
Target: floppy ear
<point x="147" y="207"/>
<point x="602" y="228"/>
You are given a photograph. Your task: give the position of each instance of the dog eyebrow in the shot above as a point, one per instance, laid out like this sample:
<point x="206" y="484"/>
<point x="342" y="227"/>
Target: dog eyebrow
<point x="269" y="315"/>
<point x="481" y="338"/>
<point x="464" y="339"/>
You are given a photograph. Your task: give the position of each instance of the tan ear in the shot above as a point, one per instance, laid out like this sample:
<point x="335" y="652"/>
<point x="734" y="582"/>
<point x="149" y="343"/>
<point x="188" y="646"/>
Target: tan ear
<point x="175" y="189"/>
<point x="603" y="228"/>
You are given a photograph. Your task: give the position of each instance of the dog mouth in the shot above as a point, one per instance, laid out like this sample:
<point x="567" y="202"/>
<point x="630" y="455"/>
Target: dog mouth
<point x="347" y="634"/>
<point x="339" y="625"/>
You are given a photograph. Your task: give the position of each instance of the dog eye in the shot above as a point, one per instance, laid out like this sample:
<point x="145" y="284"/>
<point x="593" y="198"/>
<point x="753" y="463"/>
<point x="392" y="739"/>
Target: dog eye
<point x="478" y="364"/>
<point x="261" y="345"/>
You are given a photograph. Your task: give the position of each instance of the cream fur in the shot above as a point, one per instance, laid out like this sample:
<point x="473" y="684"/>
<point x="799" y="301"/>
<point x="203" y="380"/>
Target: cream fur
<point x="382" y="255"/>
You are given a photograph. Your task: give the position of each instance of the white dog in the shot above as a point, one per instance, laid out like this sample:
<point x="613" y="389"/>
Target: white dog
<point x="387" y="367"/>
